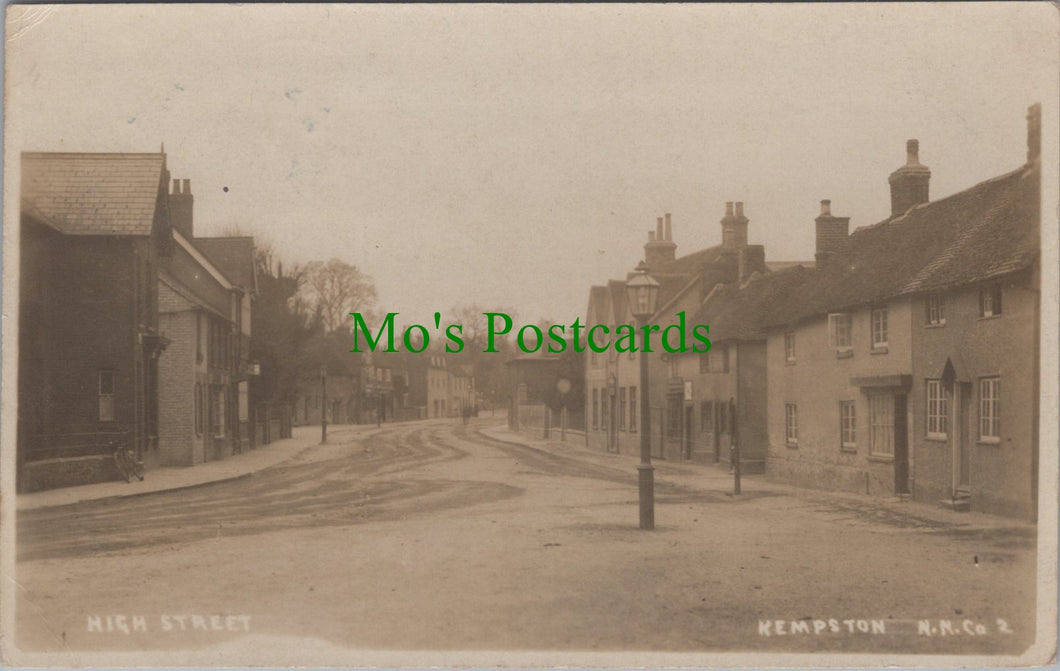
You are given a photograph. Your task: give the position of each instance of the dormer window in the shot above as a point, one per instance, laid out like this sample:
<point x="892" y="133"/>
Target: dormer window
<point x="990" y="300"/>
<point x="840" y="327"/>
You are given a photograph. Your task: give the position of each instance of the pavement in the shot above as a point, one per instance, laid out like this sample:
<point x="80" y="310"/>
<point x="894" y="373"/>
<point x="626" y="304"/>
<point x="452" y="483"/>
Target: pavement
<point x="172" y="478"/>
<point x="694" y="475"/>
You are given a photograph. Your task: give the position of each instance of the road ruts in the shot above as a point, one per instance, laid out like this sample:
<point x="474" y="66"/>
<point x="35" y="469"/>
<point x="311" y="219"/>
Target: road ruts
<point x="357" y="481"/>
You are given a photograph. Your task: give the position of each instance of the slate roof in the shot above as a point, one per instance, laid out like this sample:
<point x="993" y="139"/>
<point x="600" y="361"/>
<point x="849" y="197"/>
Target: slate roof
<point x="92" y="194"/>
<point x="233" y="256"/>
<point x="987" y="231"/>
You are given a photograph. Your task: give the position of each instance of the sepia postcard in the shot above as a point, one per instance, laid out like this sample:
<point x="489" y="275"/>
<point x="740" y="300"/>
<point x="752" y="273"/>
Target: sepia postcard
<point x="533" y="335"/>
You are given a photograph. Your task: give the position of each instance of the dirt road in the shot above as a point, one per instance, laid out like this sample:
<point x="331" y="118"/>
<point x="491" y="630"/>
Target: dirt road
<point x="437" y="536"/>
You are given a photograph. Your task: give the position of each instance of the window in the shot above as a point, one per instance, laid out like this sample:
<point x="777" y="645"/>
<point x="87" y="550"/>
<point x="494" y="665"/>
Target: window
<point x="719" y="359"/>
<point x="673" y="416"/>
<point x="106" y="396"/>
<point x="990" y="409"/>
<point x="881" y="425"/>
<point x="605" y="418"/>
<point x="723" y="417"/>
<point x="675" y="368"/>
<point x="791" y="424"/>
<point x="217" y="399"/>
<point x="936" y="310"/>
<point x="621" y="408"/>
<point x="704" y="362"/>
<point x="839" y="332"/>
<point x="879" y="328"/>
<point x="937" y="410"/>
<point x="633" y="409"/>
<point x="848" y="426"/>
<point x="198" y="408"/>
<point x="990" y="300"/>
<point x="198" y="337"/>
<point x="789" y="347"/>
<point x="706" y="416"/>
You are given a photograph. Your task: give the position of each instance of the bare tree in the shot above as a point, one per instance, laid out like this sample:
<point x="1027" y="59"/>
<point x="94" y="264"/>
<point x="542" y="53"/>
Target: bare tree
<point x="336" y="289"/>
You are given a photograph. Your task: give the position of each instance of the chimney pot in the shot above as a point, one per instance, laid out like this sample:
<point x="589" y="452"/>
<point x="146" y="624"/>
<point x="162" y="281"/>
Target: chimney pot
<point x="912" y="151"/>
<point x="176" y="186"/>
<point x="659" y="229"/>
<point x="1034" y="132"/>
<point x="826" y="207"/>
<point x="187" y="186"/>
<point x="669" y="231"/>
<point x="728" y="209"/>
<point x="739" y="208"/>
<point x="651" y="236"/>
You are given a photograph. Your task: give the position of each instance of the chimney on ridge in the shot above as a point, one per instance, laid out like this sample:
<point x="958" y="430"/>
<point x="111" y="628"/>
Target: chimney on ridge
<point x="1034" y="132"/>
<point x="909" y="184"/>
<point x="660" y="248"/>
<point x="832" y="234"/>
<point x="733" y="227"/>
<point x="181" y="203"/>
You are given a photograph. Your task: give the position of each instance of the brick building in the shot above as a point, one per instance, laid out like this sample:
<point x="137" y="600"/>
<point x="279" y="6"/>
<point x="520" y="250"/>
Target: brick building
<point x="104" y="245"/>
<point x="94" y="228"/>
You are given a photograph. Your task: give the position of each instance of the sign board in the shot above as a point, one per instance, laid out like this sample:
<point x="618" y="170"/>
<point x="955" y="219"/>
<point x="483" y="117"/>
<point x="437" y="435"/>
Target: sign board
<point x="688" y="390"/>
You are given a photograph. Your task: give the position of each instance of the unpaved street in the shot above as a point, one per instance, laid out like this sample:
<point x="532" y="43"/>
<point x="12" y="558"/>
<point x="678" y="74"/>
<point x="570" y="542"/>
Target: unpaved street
<point x="436" y="536"/>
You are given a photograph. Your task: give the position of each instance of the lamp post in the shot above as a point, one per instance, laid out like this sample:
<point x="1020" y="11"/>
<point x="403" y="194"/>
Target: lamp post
<point x="642" y="291"/>
<point x="324" y="405"/>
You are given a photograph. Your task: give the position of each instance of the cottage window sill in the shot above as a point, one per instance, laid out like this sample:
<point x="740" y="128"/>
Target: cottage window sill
<point x="935" y="326"/>
<point x="985" y="317"/>
<point x="789" y="362"/>
<point x="989" y="441"/>
<point x="937" y="437"/>
<point x="882" y="458"/>
<point x="793" y="444"/>
<point x="882" y="349"/>
<point x="844" y="353"/>
<point x="849" y="449"/>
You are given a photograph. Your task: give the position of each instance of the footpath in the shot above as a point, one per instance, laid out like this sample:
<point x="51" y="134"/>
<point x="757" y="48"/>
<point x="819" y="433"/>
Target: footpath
<point x="171" y="478"/>
<point x="712" y="479"/>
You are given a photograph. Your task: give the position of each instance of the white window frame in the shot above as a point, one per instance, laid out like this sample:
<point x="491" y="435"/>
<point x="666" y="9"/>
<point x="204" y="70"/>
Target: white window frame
<point x="848" y="426"/>
<point x="936" y="310"/>
<point x="835" y="322"/>
<point x="937" y="411"/>
<point x="791" y="424"/>
<point x="878" y="322"/>
<point x="990" y="409"/>
<point x="789" y="347"/>
<point x="881" y="425"/>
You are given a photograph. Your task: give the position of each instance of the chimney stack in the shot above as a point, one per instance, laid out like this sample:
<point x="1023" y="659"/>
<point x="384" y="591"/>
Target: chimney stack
<point x="909" y="184"/>
<point x="660" y="248"/>
<point x="181" y="204"/>
<point x="1034" y="132"/>
<point x="832" y="234"/>
<point x="733" y="227"/>
<point x="752" y="259"/>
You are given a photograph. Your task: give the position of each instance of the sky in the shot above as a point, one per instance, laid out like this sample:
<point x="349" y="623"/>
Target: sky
<point x="513" y="156"/>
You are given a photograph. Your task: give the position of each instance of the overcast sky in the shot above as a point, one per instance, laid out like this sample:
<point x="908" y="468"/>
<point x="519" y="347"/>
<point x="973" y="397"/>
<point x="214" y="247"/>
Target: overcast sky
<point x="515" y="155"/>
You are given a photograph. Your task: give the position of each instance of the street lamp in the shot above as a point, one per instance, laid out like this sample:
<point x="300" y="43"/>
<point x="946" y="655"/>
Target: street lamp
<point x="642" y="292"/>
<point x="324" y="405"/>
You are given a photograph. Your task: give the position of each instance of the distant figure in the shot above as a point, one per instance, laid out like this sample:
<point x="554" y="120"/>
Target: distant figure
<point x="466" y="412"/>
<point x="476" y="410"/>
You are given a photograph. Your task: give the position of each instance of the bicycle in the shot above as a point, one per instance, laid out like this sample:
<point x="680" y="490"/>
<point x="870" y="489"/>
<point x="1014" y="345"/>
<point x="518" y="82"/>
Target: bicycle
<point x="125" y="460"/>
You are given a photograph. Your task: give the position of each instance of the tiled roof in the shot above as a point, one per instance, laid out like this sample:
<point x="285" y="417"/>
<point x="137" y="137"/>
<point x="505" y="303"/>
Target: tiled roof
<point x="740" y="313"/>
<point x="986" y="231"/>
<point x="233" y="256"/>
<point x="92" y="194"/>
<point x="689" y="263"/>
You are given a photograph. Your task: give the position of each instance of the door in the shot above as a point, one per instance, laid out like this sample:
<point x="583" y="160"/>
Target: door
<point x="901" y="446"/>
